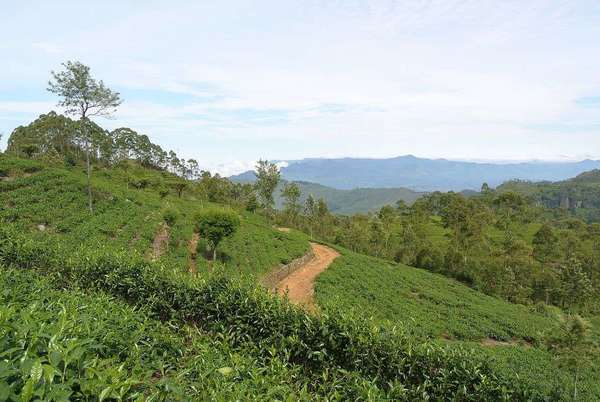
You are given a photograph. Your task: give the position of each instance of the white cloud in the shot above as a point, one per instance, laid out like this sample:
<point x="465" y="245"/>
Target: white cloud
<point x="281" y="80"/>
<point x="47" y="47"/>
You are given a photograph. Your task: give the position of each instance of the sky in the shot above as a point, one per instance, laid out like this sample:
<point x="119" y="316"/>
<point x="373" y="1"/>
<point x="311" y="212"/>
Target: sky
<point x="229" y="82"/>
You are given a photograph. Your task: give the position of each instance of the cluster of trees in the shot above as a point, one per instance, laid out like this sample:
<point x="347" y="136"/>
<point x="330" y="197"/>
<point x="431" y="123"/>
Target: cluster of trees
<point x="55" y="137"/>
<point x="501" y="243"/>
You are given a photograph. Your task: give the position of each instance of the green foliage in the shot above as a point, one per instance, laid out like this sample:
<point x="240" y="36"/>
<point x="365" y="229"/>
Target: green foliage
<point x="500" y="243"/>
<point x="570" y="342"/>
<point x="262" y="348"/>
<point x="81" y="95"/>
<point x="421" y="299"/>
<point x="267" y="178"/>
<point x="170" y="216"/>
<point x="129" y="218"/>
<point x="429" y="306"/>
<point x="345" y="347"/>
<point x="252" y="204"/>
<point x="216" y="224"/>
<point x="93" y="346"/>
<point x="579" y="196"/>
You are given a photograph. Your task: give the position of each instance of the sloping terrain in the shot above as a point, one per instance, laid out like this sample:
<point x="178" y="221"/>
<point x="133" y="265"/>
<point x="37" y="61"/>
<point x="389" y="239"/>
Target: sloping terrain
<point x="61" y="254"/>
<point x="54" y="199"/>
<point x="580" y="195"/>
<point x="345" y="202"/>
<point x="432" y="306"/>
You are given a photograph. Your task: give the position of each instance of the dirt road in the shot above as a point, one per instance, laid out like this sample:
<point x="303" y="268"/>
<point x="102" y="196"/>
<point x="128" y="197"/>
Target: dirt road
<point x="300" y="283"/>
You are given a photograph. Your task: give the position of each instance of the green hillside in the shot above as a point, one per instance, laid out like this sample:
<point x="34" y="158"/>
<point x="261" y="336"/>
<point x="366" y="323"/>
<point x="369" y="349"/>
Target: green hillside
<point x="54" y="250"/>
<point x="50" y="203"/>
<point x="343" y="202"/>
<point x="580" y="195"/>
<point x="348" y="202"/>
<point x="386" y="331"/>
<point x="431" y="306"/>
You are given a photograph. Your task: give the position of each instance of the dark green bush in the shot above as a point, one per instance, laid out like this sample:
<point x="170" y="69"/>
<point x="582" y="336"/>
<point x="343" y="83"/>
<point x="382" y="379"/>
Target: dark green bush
<point x="214" y="225"/>
<point x="170" y="216"/>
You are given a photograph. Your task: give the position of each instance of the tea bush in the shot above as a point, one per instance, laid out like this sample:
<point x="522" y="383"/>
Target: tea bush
<point x="247" y="316"/>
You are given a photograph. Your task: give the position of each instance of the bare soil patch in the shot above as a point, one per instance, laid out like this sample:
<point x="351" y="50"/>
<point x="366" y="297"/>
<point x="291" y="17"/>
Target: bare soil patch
<point x="299" y="285"/>
<point x="513" y="342"/>
<point x="161" y="242"/>
<point x="193" y="250"/>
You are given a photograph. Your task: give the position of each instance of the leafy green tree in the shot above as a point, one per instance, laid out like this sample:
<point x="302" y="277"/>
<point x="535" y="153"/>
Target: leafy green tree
<point x="193" y="169"/>
<point x="267" y="178"/>
<point x="48" y="132"/>
<point x="322" y="216"/>
<point x="310" y="211"/>
<point x="402" y="207"/>
<point x="179" y="185"/>
<point x="571" y="343"/>
<point x="545" y="244"/>
<point x="83" y="96"/>
<point x="387" y="217"/>
<point x="576" y="288"/>
<point x="215" y="225"/>
<point x="251" y="203"/>
<point x="291" y="194"/>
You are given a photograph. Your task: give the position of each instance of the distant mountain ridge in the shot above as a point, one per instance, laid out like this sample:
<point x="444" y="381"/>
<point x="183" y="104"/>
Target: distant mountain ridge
<point x="421" y="174"/>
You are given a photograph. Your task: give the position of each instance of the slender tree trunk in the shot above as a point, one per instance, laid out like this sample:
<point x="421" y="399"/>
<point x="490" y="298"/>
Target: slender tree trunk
<point x="89" y="174"/>
<point x="88" y="164"/>
<point x="576" y="378"/>
<point x="215" y="253"/>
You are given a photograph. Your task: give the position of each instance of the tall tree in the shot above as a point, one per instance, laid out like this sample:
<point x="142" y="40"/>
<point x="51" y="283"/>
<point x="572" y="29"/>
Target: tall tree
<point x="545" y="244"/>
<point x="310" y="210"/>
<point x="267" y="178"/>
<point x="84" y="97"/>
<point x="291" y="195"/>
<point x="572" y="345"/>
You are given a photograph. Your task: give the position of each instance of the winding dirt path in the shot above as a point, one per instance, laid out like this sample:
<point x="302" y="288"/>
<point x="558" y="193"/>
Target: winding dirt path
<point x="299" y="285"/>
<point x="161" y="242"/>
<point x="193" y="250"/>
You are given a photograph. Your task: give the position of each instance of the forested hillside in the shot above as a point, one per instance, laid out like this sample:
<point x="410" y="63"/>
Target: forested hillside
<point x="349" y="202"/>
<point x="173" y="260"/>
<point x="579" y="195"/>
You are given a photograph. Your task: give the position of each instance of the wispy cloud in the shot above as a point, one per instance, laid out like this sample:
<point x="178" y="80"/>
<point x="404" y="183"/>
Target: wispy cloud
<point x="230" y="82"/>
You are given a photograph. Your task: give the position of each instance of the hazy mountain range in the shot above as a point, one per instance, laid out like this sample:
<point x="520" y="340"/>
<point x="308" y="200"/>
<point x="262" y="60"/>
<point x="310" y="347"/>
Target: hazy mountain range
<point x="420" y="174"/>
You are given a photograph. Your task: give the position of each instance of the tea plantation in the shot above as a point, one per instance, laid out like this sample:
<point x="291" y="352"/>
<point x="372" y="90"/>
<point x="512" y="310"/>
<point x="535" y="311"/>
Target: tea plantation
<point x="431" y="306"/>
<point x="102" y="306"/>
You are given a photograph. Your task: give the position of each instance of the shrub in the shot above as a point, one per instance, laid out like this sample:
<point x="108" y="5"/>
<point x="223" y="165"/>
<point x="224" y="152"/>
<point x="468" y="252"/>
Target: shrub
<point x="163" y="191"/>
<point x="170" y="216"/>
<point x="216" y="224"/>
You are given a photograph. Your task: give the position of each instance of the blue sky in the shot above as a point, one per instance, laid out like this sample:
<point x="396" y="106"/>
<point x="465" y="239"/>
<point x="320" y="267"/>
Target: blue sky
<point x="228" y="82"/>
